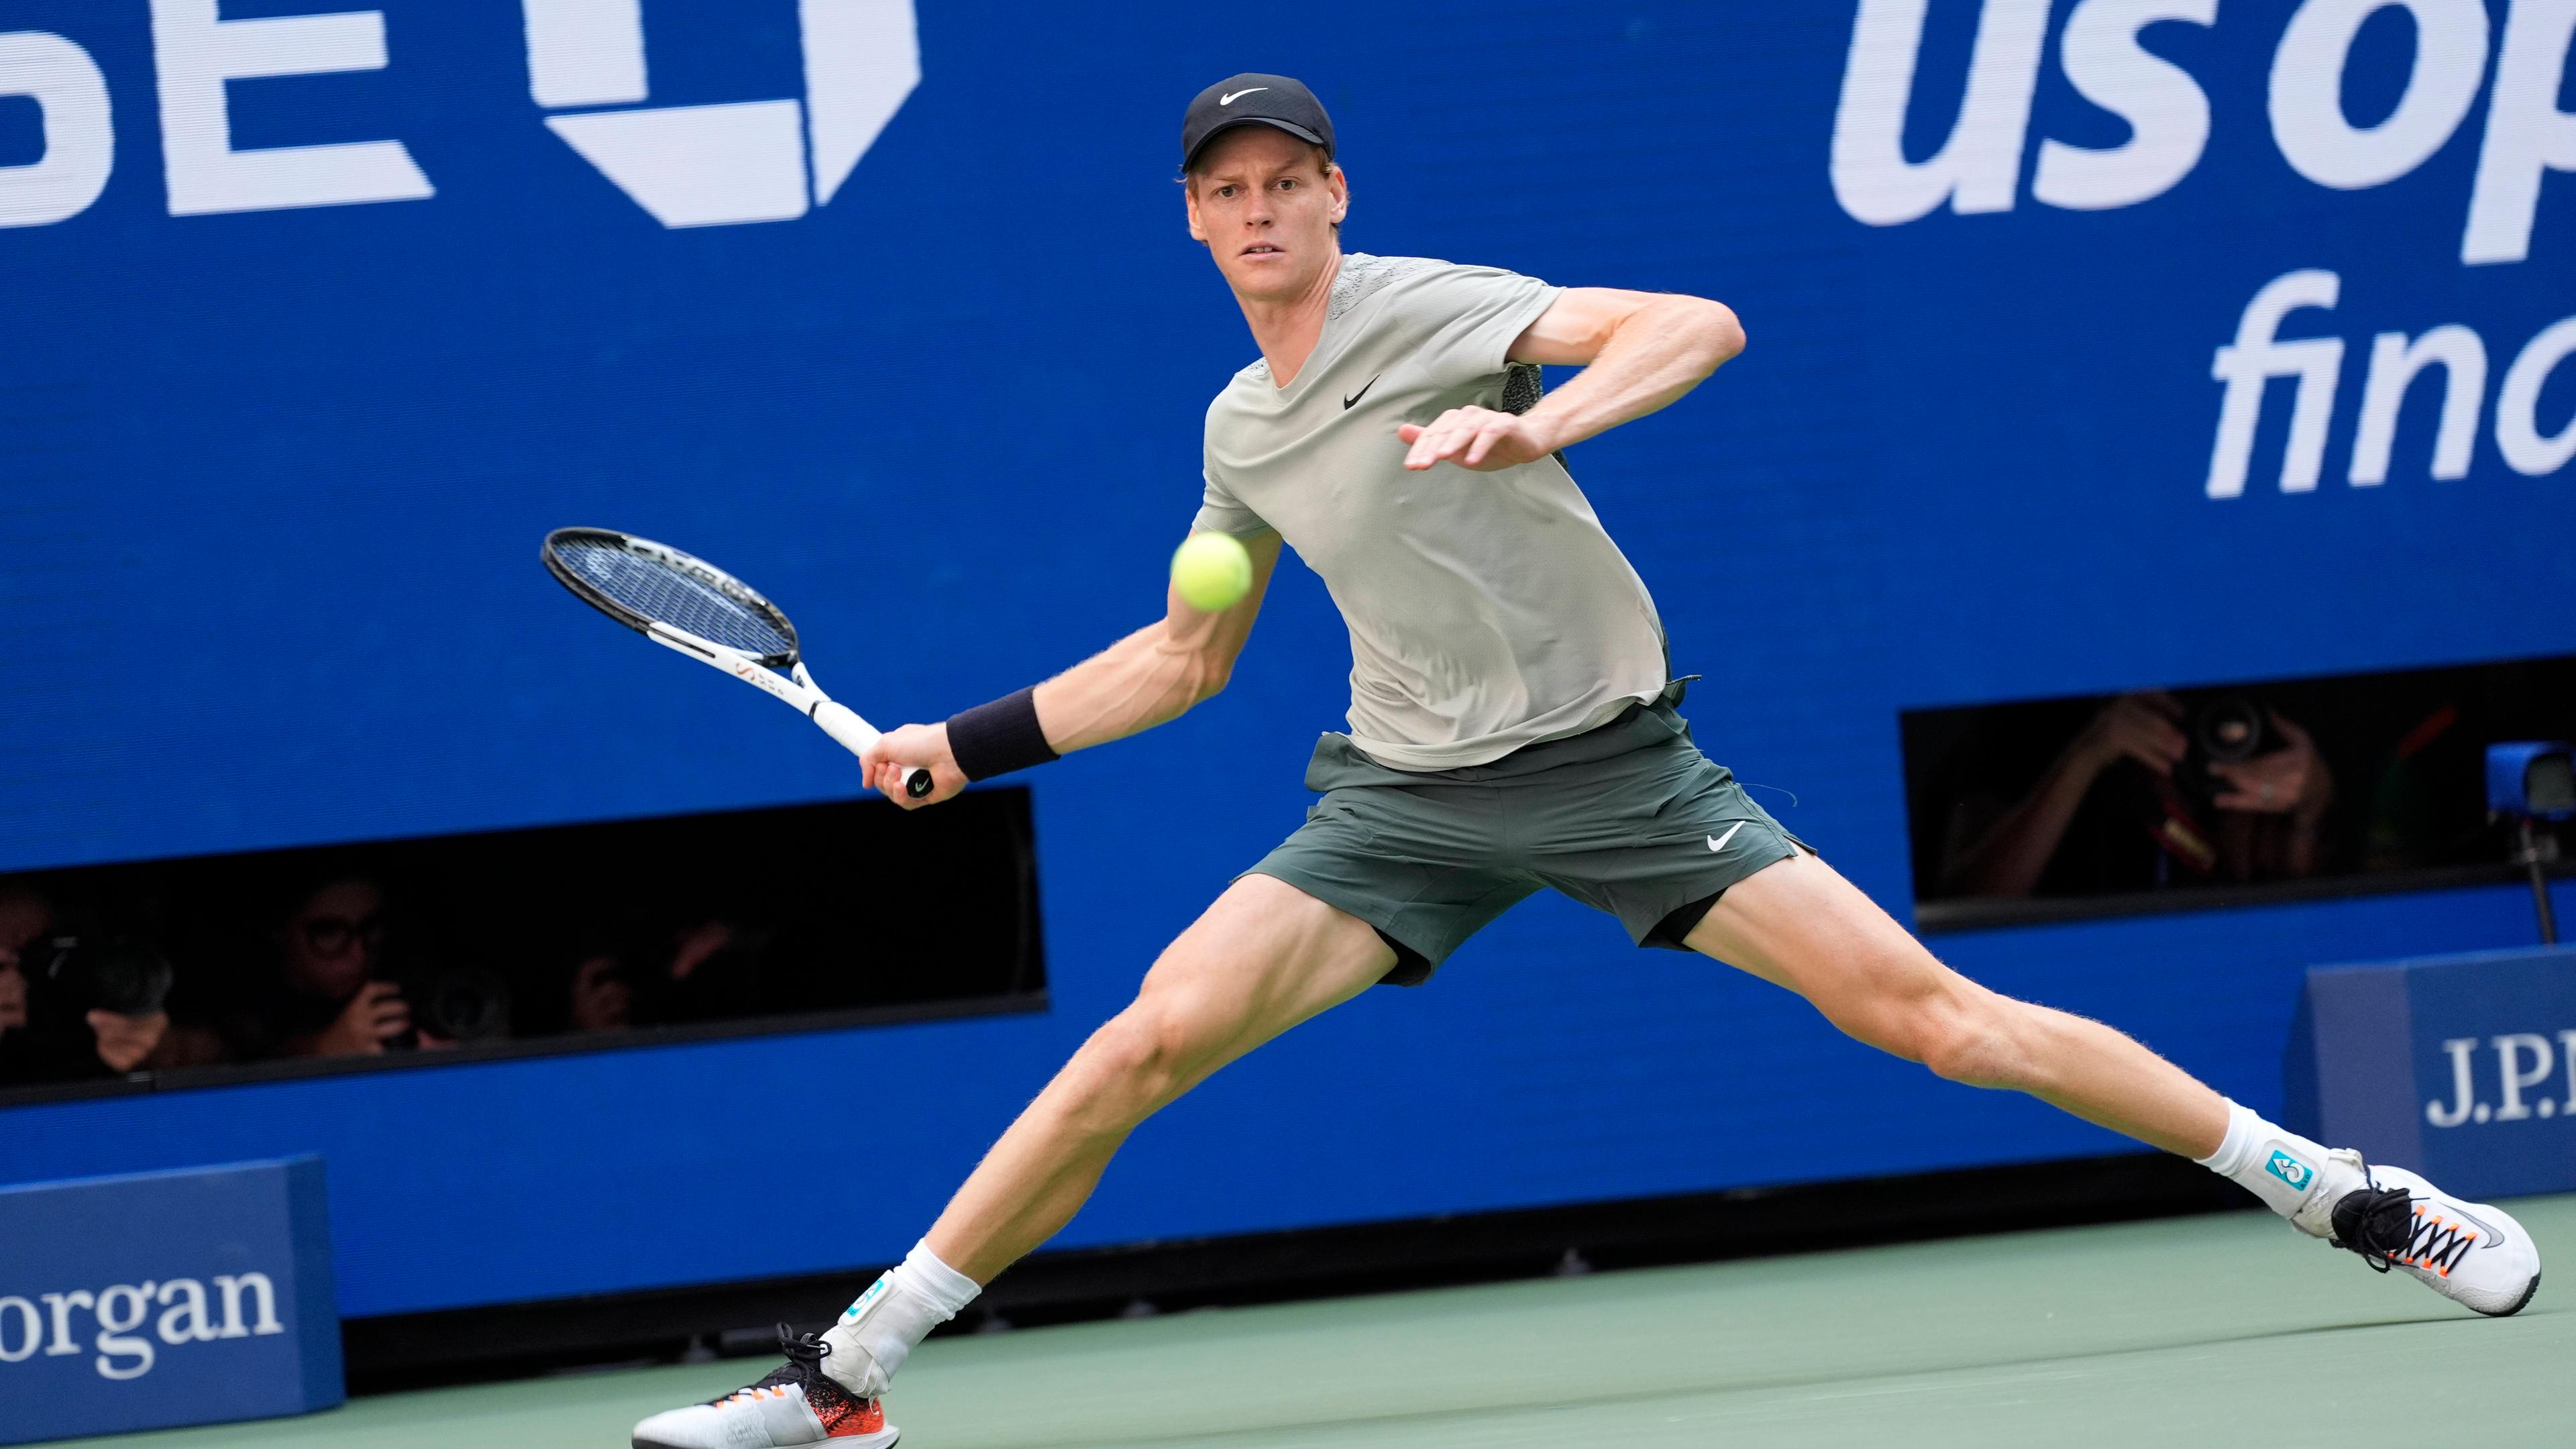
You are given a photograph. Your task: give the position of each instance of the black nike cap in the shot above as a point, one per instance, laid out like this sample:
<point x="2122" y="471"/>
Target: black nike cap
<point x="1254" y="99"/>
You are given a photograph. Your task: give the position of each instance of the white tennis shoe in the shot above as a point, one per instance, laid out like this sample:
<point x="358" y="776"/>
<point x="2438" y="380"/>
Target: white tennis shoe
<point x="796" y="1404"/>
<point x="2475" y="1255"/>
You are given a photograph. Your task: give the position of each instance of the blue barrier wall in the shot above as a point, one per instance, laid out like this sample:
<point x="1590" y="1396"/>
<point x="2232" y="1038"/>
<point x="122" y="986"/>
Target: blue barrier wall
<point x="276" y="475"/>
<point x="164" y="1298"/>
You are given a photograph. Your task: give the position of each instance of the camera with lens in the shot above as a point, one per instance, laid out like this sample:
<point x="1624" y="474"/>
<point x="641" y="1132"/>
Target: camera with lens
<point x="2221" y="729"/>
<point x="120" y="975"/>
<point x="455" y="1003"/>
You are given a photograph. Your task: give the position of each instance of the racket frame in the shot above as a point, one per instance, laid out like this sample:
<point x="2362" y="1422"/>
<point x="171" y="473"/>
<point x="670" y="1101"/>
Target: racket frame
<point x="796" y="688"/>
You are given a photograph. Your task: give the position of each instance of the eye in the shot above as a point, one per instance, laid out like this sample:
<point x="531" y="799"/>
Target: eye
<point x="1226" y="192"/>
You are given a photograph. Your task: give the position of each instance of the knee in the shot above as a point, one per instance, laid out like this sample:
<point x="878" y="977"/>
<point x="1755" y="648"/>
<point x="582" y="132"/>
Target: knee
<point x="1132" y="1065"/>
<point x="1922" y="1011"/>
<point x="1976" y="1040"/>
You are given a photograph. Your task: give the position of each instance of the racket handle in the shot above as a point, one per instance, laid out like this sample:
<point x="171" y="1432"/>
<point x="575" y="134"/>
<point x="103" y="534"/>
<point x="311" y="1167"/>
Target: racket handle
<point x="855" y="734"/>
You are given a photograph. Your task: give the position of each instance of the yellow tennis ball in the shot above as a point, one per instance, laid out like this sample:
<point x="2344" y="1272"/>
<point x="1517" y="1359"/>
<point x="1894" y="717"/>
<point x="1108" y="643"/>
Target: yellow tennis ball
<point x="1212" y="571"/>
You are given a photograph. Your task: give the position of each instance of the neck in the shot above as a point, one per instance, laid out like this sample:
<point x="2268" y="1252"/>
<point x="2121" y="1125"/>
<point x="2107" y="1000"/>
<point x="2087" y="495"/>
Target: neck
<point x="1287" y="328"/>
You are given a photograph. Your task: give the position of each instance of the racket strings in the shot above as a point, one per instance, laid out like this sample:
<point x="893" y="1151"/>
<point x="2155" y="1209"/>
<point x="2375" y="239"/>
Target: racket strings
<point x="655" y="590"/>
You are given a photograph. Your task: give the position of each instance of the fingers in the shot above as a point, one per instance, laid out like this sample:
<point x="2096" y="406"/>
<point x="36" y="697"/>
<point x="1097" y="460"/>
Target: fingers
<point x="124" y="1041"/>
<point x="2157" y="761"/>
<point x="887" y="765"/>
<point x="2150" y="741"/>
<point x="1488" y="432"/>
<point x="1450" y="436"/>
<point x="2256" y="788"/>
<point x="388" y="1015"/>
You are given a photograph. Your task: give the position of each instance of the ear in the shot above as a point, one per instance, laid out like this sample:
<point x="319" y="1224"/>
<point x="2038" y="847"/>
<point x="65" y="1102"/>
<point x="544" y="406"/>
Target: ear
<point x="1340" y="186"/>
<point x="1190" y="200"/>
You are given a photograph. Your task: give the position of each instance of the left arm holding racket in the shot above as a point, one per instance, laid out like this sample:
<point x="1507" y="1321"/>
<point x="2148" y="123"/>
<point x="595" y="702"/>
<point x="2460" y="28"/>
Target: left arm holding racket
<point x="1148" y="678"/>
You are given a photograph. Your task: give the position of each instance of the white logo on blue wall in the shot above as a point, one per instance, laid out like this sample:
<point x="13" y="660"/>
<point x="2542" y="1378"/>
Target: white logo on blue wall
<point x="722" y="165"/>
<point x="2290" y="1170"/>
<point x="711" y="165"/>
<point x="128" y="1317"/>
<point x="2100" y="52"/>
<point x="2525" y="1062"/>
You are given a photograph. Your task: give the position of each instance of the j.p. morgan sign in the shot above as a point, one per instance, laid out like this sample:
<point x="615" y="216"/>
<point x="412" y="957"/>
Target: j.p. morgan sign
<point x="165" y="1298"/>
<point x="2463" y="1066"/>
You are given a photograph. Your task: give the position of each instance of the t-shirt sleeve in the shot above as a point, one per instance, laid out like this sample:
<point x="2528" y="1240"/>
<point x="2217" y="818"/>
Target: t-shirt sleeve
<point x="1468" y="319"/>
<point x="1221" y="512"/>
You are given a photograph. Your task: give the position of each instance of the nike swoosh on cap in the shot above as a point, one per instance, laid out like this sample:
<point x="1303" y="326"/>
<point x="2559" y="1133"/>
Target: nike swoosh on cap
<point x="1718" y="842"/>
<point x="1227" y="100"/>
<point x="1353" y="400"/>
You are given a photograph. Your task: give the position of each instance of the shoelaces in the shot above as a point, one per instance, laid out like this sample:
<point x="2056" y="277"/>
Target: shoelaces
<point x="805" y="1354"/>
<point x="2388" y="1228"/>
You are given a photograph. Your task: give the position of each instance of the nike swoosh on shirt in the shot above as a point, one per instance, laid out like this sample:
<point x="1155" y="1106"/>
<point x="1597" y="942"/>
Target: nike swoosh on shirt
<point x="1239" y="95"/>
<point x="1718" y="842"/>
<point x="1353" y="400"/>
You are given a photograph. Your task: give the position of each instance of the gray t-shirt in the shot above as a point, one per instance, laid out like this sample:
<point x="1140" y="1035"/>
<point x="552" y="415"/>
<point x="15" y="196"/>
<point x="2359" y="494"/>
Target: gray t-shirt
<point x="1487" y="610"/>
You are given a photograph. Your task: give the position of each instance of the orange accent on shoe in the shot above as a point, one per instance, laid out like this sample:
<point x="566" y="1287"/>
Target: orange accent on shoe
<point x="859" y="1416"/>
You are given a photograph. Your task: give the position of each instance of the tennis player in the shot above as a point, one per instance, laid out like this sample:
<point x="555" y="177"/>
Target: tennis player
<point x="1513" y="726"/>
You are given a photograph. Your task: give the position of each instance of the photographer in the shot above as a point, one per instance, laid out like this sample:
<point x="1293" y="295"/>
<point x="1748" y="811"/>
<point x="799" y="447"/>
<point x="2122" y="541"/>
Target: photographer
<point x="69" y="1011"/>
<point x="2149" y="793"/>
<point x="325" y="999"/>
<point x="348" y="983"/>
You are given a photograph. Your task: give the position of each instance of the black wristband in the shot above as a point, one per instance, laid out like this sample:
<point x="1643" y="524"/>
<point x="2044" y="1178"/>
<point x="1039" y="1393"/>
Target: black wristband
<point x="997" y="738"/>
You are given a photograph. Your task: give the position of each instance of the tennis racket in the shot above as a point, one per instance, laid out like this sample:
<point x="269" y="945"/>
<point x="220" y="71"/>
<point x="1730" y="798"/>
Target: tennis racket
<point x="692" y="606"/>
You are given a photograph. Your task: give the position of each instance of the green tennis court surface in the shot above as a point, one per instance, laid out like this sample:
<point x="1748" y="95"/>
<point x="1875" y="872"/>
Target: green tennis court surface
<point x="2225" y="1330"/>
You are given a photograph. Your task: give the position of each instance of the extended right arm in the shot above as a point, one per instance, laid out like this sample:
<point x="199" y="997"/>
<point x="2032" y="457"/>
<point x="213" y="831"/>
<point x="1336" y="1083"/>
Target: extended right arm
<point x="1152" y="676"/>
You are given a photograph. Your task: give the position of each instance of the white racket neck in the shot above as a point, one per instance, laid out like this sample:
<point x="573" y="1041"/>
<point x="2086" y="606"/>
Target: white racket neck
<point x="799" y="692"/>
<point x="796" y="689"/>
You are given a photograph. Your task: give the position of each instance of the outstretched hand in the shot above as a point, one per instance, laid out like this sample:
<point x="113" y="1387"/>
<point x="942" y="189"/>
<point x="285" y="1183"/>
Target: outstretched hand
<point x="2292" y="780"/>
<point x="1473" y="437"/>
<point x="897" y="752"/>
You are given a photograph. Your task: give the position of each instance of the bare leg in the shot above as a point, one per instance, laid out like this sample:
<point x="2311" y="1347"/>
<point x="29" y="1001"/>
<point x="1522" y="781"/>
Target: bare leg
<point x="1800" y="925"/>
<point x="1264" y="957"/>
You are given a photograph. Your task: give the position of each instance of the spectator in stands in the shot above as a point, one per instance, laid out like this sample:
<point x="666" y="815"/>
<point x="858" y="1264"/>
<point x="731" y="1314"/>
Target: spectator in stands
<point x="601" y="1000"/>
<point x="45" y="1034"/>
<point x="326" y="998"/>
<point x="24" y="916"/>
<point x="2130" y="802"/>
<point x="710" y="971"/>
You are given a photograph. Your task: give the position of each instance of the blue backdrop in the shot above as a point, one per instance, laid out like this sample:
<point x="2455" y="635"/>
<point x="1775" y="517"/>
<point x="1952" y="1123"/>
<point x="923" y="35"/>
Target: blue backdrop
<point x="275" y="473"/>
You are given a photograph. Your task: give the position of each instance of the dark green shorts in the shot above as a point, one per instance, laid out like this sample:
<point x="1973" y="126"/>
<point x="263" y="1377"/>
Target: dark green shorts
<point x="1629" y="818"/>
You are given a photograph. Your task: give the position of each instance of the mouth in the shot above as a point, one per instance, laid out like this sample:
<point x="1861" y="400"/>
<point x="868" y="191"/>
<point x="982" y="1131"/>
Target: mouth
<point x="1262" y="249"/>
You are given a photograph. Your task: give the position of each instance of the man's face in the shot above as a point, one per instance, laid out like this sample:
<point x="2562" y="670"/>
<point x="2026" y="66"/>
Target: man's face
<point x="1266" y="204"/>
<point x="331" y="942"/>
<point x="24" y="916"/>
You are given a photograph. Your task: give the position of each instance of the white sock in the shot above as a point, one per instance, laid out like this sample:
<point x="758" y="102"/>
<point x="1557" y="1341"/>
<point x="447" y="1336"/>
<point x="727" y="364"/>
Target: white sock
<point x="878" y="1332"/>
<point x="2284" y="1169"/>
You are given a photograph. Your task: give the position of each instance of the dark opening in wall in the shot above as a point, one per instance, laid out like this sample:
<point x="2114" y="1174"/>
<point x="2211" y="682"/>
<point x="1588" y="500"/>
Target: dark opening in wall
<point x="224" y="968"/>
<point x="2174" y="798"/>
